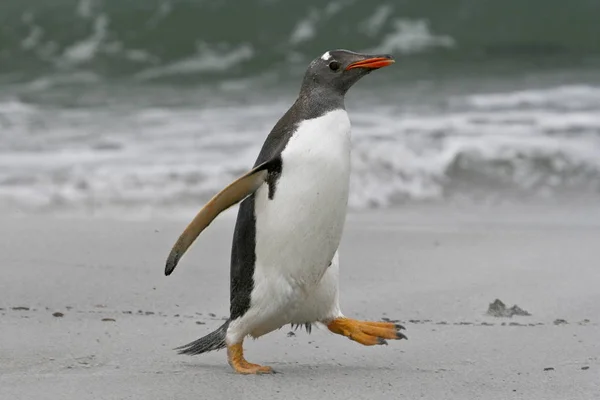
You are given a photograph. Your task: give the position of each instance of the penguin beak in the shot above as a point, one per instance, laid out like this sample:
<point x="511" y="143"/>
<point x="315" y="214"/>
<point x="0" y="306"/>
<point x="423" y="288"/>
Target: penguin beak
<point x="372" y="63"/>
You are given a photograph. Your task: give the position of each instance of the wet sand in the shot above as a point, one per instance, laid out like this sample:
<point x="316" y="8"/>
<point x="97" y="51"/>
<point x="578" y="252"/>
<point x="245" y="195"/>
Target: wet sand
<point x="86" y="312"/>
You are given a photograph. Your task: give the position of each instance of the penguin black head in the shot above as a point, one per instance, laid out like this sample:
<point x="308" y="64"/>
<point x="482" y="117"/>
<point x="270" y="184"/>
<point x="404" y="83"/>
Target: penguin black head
<point x="338" y="70"/>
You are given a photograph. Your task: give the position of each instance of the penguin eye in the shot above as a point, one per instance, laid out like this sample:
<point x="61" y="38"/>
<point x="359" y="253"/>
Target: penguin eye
<point x="334" y="65"/>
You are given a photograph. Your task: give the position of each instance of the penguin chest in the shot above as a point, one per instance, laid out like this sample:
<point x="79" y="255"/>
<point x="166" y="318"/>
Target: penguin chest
<point x="299" y="229"/>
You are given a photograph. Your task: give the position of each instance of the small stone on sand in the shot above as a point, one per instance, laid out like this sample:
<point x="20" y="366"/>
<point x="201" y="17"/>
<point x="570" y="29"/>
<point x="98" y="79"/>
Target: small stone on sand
<point x="498" y="309"/>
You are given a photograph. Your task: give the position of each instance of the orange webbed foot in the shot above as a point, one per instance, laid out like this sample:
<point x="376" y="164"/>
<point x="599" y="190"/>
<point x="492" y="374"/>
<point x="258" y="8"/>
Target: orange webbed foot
<point x="235" y="356"/>
<point x="366" y="332"/>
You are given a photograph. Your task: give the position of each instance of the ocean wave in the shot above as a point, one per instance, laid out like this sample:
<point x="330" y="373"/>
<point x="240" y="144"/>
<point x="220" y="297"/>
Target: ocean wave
<point x="480" y="147"/>
<point x="564" y="96"/>
<point x="384" y="175"/>
<point x="206" y="59"/>
<point x="86" y="49"/>
<point x="60" y="79"/>
<point x="375" y="23"/>
<point x="388" y="174"/>
<point x="411" y="36"/>
<point x="305" y="28"/>
<point x="159" y="38"/>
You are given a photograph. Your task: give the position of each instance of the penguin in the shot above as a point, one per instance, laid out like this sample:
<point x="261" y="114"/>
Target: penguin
<point x="293" y="202"/>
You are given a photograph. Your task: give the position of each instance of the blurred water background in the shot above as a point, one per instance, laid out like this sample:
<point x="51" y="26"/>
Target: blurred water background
<point x="148" y="107"/>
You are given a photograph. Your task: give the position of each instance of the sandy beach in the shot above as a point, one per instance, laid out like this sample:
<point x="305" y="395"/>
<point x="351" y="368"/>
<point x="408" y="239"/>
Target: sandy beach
<point x="86" y="312"/>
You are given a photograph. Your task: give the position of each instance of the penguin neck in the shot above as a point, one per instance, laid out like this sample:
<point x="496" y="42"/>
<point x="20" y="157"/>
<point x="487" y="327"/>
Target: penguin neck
<point x="315" y="101"/>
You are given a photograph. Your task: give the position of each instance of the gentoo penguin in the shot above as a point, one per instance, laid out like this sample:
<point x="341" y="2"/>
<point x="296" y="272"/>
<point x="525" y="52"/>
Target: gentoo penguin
<point x="284" y="257"/>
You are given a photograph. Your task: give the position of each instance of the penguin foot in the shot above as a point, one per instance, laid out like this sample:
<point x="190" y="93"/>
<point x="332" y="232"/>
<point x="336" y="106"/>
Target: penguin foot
<point x="366" y="332"/>
<point x="235" y="356"/>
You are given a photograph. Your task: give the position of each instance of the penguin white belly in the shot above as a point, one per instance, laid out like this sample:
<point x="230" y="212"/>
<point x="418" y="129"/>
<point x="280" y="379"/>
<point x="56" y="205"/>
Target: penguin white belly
<point x="299" y="230"/>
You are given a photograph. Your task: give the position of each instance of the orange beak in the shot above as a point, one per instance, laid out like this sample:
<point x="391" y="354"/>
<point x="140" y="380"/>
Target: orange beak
<point x="372" y="63"/>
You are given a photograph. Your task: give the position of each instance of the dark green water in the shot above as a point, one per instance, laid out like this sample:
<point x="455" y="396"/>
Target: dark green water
<point x="152" y="106"/>
<point x="207" y="40"/>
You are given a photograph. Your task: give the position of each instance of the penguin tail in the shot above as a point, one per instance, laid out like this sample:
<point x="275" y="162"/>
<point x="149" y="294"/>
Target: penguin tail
<point x="213" y="341"/>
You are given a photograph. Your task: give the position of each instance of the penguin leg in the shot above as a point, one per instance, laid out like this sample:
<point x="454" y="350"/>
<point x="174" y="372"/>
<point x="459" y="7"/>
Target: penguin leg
<point x="366" y="332"/>
<point x="235" y="356"/>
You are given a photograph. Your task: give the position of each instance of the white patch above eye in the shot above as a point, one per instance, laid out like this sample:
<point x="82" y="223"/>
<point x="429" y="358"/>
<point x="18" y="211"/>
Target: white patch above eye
<point x="326" y="56"/>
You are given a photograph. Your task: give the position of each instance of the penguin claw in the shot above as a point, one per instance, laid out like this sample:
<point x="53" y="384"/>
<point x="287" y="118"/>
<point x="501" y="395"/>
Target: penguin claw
<point x="382" y="341"/>
<point x="399" y="327"/>
<point x="401" y="335"/>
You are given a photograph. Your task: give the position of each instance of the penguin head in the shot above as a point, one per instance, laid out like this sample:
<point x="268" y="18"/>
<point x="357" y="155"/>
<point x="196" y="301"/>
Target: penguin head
<point x="338" y="70"/>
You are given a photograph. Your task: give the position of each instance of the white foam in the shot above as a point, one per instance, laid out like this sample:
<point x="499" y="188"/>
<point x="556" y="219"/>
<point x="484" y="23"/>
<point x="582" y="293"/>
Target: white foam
<point x="59" y="79"/>
<point x="206" y="59"/>
<point x="411" y="36"/>
<point x="305" y="29"/>
<point x="571" y="96"/>
<point x="33" y="39"/>
<point x="12" y="107"/>
<point x="374" y="24"/>
<point x="159" y="158"/>
<point x="86" y="49"/>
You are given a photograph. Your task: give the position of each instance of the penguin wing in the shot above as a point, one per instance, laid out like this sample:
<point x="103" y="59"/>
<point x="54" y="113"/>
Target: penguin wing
<point x="235" y="192"/>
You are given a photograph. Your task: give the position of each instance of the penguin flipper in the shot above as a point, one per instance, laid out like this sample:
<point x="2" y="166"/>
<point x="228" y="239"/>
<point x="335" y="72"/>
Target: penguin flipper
<point x="235" y="192"/>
